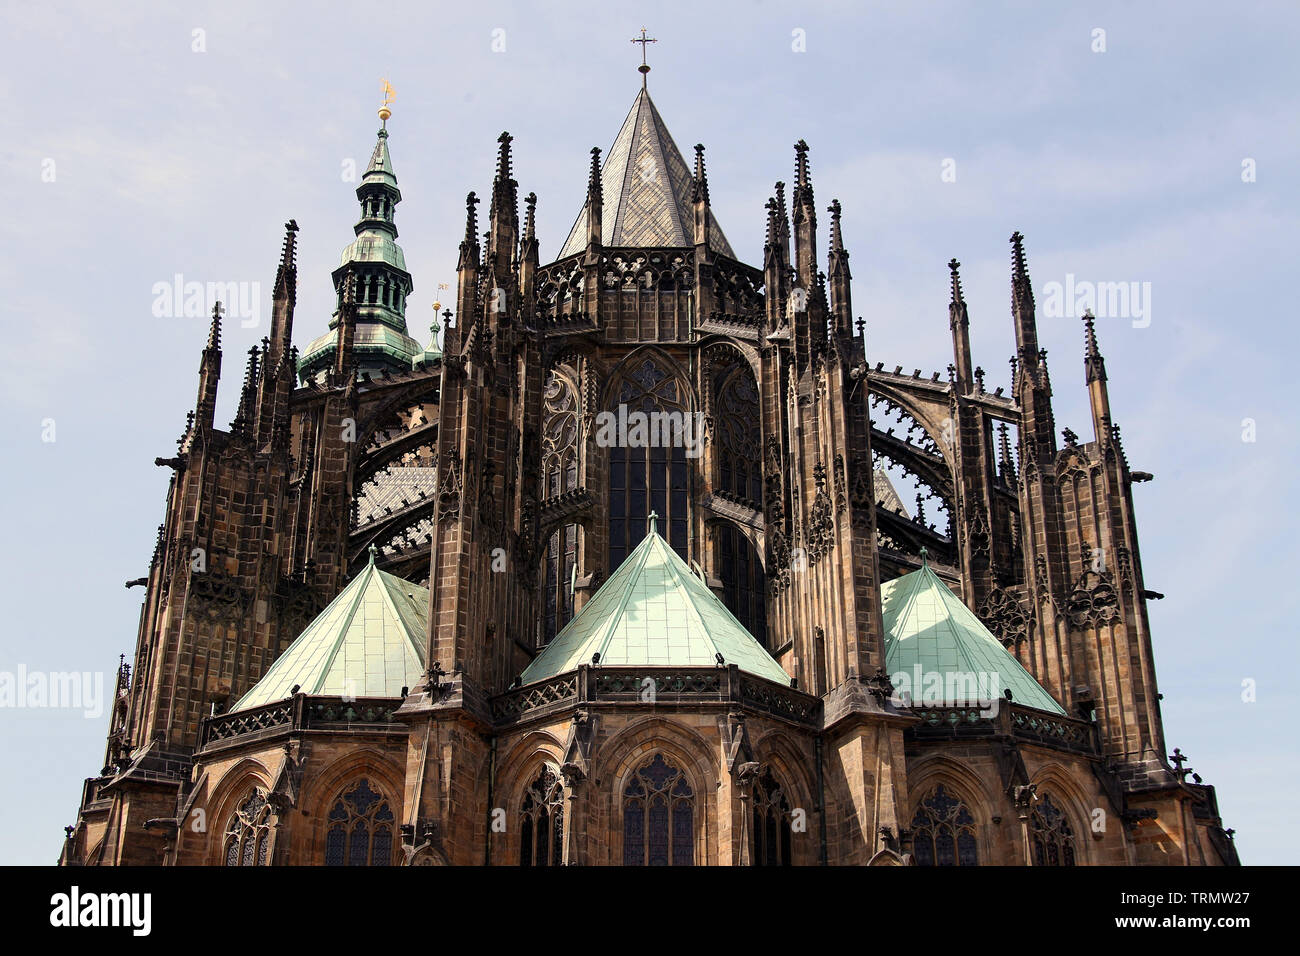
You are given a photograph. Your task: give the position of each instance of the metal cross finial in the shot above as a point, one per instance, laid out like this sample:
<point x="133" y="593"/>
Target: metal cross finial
<point x="644" y="68"/>
<point x="654" y="516"/>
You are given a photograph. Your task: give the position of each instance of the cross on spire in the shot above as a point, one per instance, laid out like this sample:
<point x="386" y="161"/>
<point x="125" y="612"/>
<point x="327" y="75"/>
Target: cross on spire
<point x="652" y="518"/>
<point x="644" y="68"/>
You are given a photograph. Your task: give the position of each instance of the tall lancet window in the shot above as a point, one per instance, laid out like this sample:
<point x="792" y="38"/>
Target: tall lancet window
<point x="1050" y="835"/>
<point x="658" y="817"/>
<point x="541" y="825"/>
<point x="772" y="834"/>
<point x="559" y="475"/>
<point x="743" y="582"/>
<point x="943" y="832"/>
<point x="248" y="834"/>
<point x="739" y="454"/>
<point x="647" y="460"/>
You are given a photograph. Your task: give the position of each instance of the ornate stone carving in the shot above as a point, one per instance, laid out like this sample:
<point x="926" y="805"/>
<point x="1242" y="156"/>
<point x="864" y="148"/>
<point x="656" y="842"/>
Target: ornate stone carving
<point x="1005" y="617"/>
<point x="1093" y="600"/>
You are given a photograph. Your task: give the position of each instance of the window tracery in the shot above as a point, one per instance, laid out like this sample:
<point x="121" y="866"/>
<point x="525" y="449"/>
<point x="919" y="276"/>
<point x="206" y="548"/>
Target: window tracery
<point x="248" y="834"/>
<point x="658" y="816"/>
<point x="361" y="826"/>
<point x="943" y="832"/>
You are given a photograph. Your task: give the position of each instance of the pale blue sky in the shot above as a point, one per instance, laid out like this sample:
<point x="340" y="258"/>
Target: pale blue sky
<point x="1117" y="166"/>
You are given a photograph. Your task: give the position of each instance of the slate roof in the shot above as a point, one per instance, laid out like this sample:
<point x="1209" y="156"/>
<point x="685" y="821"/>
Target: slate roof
<point x="646" y="190"/>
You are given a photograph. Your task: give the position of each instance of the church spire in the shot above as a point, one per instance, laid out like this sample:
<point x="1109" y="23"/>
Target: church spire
<point x="377" y="266"/>
<point x="503" y="214"/>
<point x="805" y="219"/>
<point x="1095" y="369"/>
<point x="595" y="201"/>
<point x="285" y="295"/>
<point x="209" y="373"/>
<point x="959" y="323"/>
<point x="1022" y="304"/>
<point x="839" y="275"/>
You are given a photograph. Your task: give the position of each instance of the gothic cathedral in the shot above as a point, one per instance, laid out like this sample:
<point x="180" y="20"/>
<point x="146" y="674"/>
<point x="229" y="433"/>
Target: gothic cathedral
<point x="613" y="571"/>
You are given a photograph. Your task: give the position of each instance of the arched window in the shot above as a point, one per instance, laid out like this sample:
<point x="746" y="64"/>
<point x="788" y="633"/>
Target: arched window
<point x="736" y="414"/>
<point x="943" y="832"/>
<point x="360" y="829"/>
<point x="559" y="475"/>
<point x="771" y="823"/>
<point x="743" y="582"/>
<point x="1051" y="835"/>
<point x="658" y="817"/>
<point x="647" y="466"/>
<point x="248" y="835"/>
<point x="541" y="829"/>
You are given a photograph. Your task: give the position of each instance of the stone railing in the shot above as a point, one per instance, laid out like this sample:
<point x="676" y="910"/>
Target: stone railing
<point x="655" y="686"/>
<point x="1005" y="719"/>
<point x="299" y="713"/>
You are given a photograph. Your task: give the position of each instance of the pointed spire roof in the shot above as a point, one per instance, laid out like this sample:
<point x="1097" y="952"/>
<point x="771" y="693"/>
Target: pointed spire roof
<point x="647" y="189"/>
<point x="654" y="610"/>
<point x="368" y="643"/>
<point x="380" y="169"/>
<point x="927" y="625"/>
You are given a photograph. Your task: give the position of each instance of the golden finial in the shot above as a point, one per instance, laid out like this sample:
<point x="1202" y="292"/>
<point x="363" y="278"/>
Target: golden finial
<point x="437" y="306"/>
<point x="389" y="96"/>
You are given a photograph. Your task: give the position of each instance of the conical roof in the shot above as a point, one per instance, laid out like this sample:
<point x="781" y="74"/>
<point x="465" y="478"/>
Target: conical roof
<point x="368" y="643"/>
<point x="654" y="611"/>
<point x="926" y="625"/>
<point x="645" y="190"/>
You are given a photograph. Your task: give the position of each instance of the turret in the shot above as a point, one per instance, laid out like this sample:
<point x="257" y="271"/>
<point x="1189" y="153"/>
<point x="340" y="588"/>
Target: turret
<point x="839" y="275"/>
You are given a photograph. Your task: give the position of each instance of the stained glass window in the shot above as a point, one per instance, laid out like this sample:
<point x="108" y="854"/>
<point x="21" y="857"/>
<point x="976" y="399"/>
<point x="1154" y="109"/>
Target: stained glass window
<point x="743" y="580"/>
<point x="649" y="474"/>
<point x="1050" y="834"/>
<point x="248" y="835"/>
<point x="559" y="475"/>
<point x="361" y="826"/>
<point x="943" y="832"/>
<point x="541" y="831"/>
<point x="658" y="817"/>
<point x="771" y="822"/>
<point x="739" y="454"/>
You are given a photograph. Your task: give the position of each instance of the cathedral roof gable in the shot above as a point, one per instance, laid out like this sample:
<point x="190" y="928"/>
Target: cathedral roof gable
<point x="646" y="189"/>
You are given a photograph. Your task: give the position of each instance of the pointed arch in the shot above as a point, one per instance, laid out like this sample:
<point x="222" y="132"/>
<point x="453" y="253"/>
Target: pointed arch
<point x="939" y="772"/>
<point x="683" y="751"/>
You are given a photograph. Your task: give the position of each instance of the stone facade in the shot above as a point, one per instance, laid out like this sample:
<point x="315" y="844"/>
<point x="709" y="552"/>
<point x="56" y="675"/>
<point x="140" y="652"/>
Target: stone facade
<point x="266" y="521"/>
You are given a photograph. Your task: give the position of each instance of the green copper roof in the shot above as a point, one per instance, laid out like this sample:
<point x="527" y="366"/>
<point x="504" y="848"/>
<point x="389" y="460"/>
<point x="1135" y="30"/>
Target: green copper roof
<point x="926" y="625"/>
<point x="368" y="643"/>
<point x="380" y="169"/>
<point x="654" y="611"/>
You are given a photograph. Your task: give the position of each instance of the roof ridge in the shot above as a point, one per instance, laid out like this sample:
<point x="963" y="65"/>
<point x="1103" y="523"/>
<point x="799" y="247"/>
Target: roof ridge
<point x="397" y="613"/>
<point x="341" y="637"/>
<point x="646" y="545"/>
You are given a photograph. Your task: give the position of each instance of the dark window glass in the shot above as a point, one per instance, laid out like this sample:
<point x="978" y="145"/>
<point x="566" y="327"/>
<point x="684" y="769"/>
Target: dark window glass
<point x="1051" y="836"/>
<point x="744" y="587"/>
<point x="360" y="828"/>
<point x="943" y="832"/>
<point x="541" y="831"/>
<point x="658" y="817"/>
<point x="771" y="822"/>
